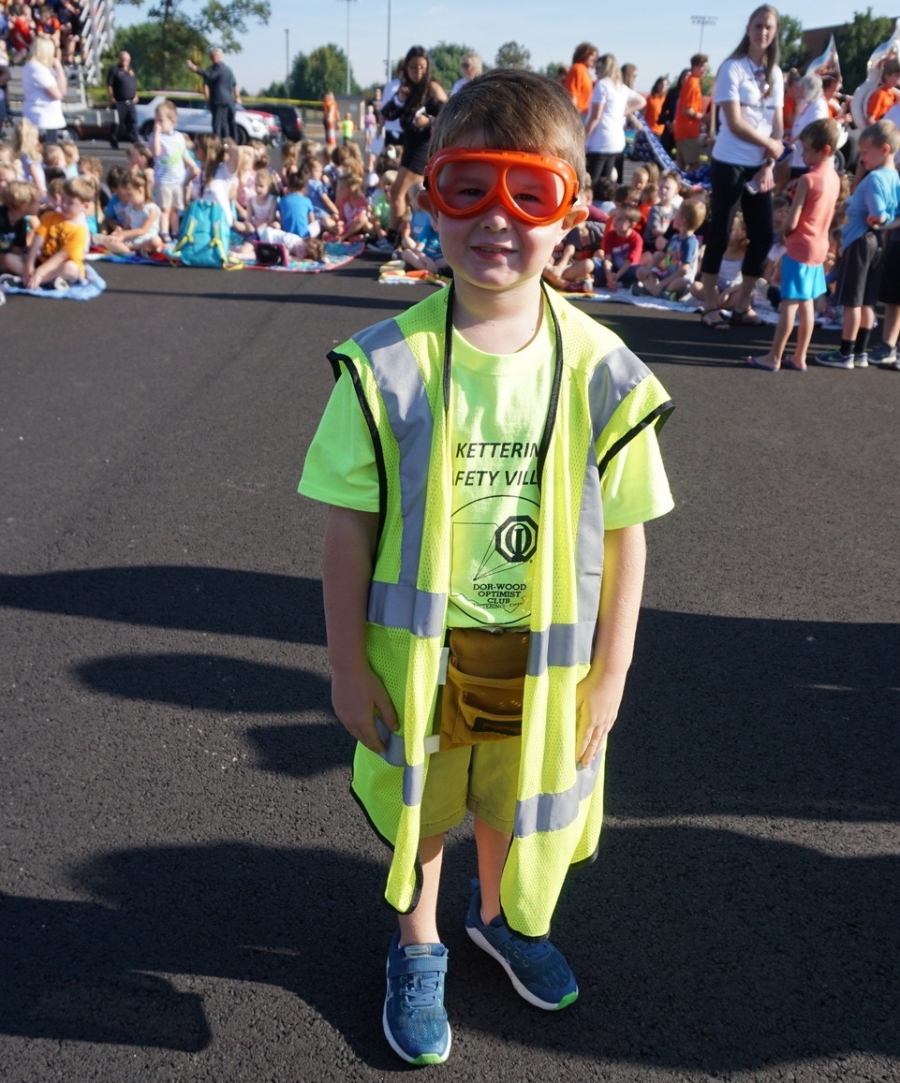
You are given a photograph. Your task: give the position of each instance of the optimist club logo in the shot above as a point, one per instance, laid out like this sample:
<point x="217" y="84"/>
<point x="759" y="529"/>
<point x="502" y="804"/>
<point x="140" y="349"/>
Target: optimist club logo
<point x="516" y="539"/>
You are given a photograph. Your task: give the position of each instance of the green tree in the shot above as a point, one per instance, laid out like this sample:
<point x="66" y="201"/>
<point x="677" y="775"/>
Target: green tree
<point x="324" y="69"/>
<point x="217" y="22"/>
<point x="855" y="44"/>
<point x="793" y="51"/>
<point x="274" y="90"/>
<point x="159" y="63"/>
<point x="513" y="55"/>
<point x="445" y="60"/>
<point x="554" y="69"/>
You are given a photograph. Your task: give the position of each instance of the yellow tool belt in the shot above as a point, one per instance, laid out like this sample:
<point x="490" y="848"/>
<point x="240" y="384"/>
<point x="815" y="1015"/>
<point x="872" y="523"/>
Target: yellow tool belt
<point x="482" y="697"/>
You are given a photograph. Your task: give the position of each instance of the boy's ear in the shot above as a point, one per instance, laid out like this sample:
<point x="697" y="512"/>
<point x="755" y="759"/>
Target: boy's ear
<point x="577" y="215"/>
<point x="423" y="199"/>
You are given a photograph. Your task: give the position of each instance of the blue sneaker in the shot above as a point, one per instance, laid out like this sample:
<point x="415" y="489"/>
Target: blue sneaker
<point x="537" y="969"/>
<point x="414" y="1019"/>
<point x="834" y="360"/>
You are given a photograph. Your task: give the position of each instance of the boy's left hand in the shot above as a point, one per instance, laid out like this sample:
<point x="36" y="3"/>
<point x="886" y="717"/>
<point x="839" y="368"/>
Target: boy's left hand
<point x="597" y="700"/>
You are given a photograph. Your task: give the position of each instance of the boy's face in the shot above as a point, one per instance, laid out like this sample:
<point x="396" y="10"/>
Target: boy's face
<point x="667" y="190"/>
<point x="164" y="121"/>
<point x="622" y="224"/>
<point x="70" y="207"/>
<point x="495" y="250"/>
<point x="812" y="157"/>
<point x="874" y="155"/>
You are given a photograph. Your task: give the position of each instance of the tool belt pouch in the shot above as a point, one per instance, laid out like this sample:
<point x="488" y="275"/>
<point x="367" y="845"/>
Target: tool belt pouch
<point x="482" y="699"/>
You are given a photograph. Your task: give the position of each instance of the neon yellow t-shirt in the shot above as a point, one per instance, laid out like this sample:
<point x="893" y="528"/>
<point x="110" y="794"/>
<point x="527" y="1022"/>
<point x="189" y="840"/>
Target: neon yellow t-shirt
<point x="498" y="408"/>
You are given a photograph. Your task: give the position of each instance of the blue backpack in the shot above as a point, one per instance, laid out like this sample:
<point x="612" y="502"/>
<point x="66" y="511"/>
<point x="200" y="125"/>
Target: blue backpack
<point x="205" y="232"/>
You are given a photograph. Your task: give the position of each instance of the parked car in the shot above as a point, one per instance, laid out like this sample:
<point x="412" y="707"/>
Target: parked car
<point x="194" y="118"/>
<point x="290" y="117"/>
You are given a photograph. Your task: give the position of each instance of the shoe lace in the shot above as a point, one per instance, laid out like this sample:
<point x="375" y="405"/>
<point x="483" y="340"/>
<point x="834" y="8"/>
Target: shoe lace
<point x="421" y="990"/>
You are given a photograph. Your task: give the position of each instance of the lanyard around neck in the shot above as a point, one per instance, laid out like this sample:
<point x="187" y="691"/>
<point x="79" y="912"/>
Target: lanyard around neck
<point x="552" y="406"/>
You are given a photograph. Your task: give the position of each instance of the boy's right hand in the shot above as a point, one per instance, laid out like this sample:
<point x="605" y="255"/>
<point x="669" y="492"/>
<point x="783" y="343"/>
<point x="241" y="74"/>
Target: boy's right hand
<point x="357" y="698"/>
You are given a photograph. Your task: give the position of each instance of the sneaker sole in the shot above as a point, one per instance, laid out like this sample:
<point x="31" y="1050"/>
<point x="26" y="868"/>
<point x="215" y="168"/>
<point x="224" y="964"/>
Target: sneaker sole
<point x="523" y="992"/>
<point x="423" y="1058"/>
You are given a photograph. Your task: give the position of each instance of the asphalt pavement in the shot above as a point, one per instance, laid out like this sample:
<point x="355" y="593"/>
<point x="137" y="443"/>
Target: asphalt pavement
<point x="187" y="890"/>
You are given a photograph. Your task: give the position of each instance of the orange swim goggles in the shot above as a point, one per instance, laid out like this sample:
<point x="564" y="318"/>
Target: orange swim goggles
<point x="538" y="189"/>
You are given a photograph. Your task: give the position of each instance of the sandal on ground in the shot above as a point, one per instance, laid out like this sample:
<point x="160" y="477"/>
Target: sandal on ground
<point x="712" y="317"/>
<point x="755" y="363"/>
<point x="747" y="318"/>
<point x="790" y="363"/>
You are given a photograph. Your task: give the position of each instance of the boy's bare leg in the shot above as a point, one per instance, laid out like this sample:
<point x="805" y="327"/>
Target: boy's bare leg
<point x="890" y="330"/>
<point x="420" y="927"/>
<point x="493" y="846"/>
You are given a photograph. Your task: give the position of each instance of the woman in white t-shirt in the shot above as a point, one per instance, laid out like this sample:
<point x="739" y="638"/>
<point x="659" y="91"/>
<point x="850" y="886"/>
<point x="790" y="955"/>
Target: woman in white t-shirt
<point x="749" y="94"/>
<point x="44" y="86"/>
<point x="604" y="133"/>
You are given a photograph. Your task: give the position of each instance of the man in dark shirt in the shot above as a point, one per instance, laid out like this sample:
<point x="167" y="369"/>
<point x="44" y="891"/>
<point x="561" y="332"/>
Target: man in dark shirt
<point x="121" y="85"/>
<point x="222" y="94"/>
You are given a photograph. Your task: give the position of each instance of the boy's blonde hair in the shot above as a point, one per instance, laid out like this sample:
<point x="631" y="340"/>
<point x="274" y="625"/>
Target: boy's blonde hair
<point x="513" y="109"/>
<point x="54" y="156"/>
<point x="92" y="166"/>
<point x="880" y="134"/>
<point x="19" y="194"/>
<point x="168" y="109"/>
<point x="693" y="214"/>
<point x="70" y="150"/>
<point x="84" y="189"/>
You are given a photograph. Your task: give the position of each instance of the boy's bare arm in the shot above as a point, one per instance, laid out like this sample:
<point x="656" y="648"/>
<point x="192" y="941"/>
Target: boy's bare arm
<point x="357" y="694"/>
<point x="600" y="692"/>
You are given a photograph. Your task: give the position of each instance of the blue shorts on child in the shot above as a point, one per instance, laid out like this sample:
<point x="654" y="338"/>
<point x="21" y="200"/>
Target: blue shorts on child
<point x="801" y="281"/>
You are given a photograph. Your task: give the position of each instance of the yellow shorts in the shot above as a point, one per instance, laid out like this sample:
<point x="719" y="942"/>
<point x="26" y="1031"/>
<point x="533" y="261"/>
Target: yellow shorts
<point x="482" y="778"/>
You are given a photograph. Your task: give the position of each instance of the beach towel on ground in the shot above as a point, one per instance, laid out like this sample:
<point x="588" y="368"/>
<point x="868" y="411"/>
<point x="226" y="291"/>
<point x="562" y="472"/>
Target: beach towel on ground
<point x="92" y="286"/>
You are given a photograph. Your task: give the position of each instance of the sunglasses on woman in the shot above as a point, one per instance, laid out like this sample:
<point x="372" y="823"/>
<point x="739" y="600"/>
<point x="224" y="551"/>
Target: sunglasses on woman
<point x="537" y="189"/>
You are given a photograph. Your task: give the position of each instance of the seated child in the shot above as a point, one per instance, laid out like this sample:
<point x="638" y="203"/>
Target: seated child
<point x="114" y="215"/>
<point x="351" y="201"/>
<point x="381" y="207"/>
<point x="18" y="209"/>
<point x="421" y="246"/>
<point x="54" y="162"/>
<point x="57" y="246"/>
<point x="141" y="157"/>
<point x="295" y="210"/>
<point x="316" y="191"/>
<point x="662" y="214"/>
<point x="672" y="272"/>
<point x="8" y="175"/>
<point x="143" y="220"/>
<point x="72" y="157"/>
<point x="621" y="250"/>
<point x="90" y="166"/>
<point x="573" y="267"/>
<point x="263" y="204"/>
<point x="806" y="245"/>
<point x="604" y="193"/>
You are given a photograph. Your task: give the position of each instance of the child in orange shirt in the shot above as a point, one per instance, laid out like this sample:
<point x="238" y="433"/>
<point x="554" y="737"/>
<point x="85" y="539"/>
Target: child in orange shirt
<point x="688" y="115"/>
<point x="57" y="247"/>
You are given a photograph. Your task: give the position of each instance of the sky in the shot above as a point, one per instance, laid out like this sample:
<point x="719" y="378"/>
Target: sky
<point x="657" y="35"/>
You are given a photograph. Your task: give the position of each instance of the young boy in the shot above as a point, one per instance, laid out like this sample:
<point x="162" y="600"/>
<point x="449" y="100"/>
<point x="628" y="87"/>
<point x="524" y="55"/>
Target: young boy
<point x="172" y="163"/>
<point x="18" y="206"/>
<point x="872" y="205"/>
<point x="57" y="247"/>
<point x="672" y="271"/>
<point x="806" y="246"/>
<point x="621" y="250"/>
<point x="459" y="455"/>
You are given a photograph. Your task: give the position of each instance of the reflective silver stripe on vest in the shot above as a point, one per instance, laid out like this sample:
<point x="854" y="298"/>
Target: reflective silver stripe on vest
<point x="413" y="785"/>
<point x="409" y="413"/>
<point x="394" y="748"/>
<point x="561" y="645"/>
<point x="589" y="549"/>
<point x="555" y="811"/>
<point x="399" y="605"/>
<point x="612" y="381"/>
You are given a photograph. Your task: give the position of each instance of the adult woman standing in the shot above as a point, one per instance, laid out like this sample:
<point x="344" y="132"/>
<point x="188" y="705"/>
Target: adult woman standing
<point x="653" y="109"/>
<point x="749" y="94"/>
<point x="416" y="103"/>
<point x="44" y="86"/>
<point x="579" y="79"/>
<point x="611" y="101"/>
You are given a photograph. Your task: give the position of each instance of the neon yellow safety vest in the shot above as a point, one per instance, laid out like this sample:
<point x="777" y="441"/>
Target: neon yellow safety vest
<point x="600" y="390"/>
